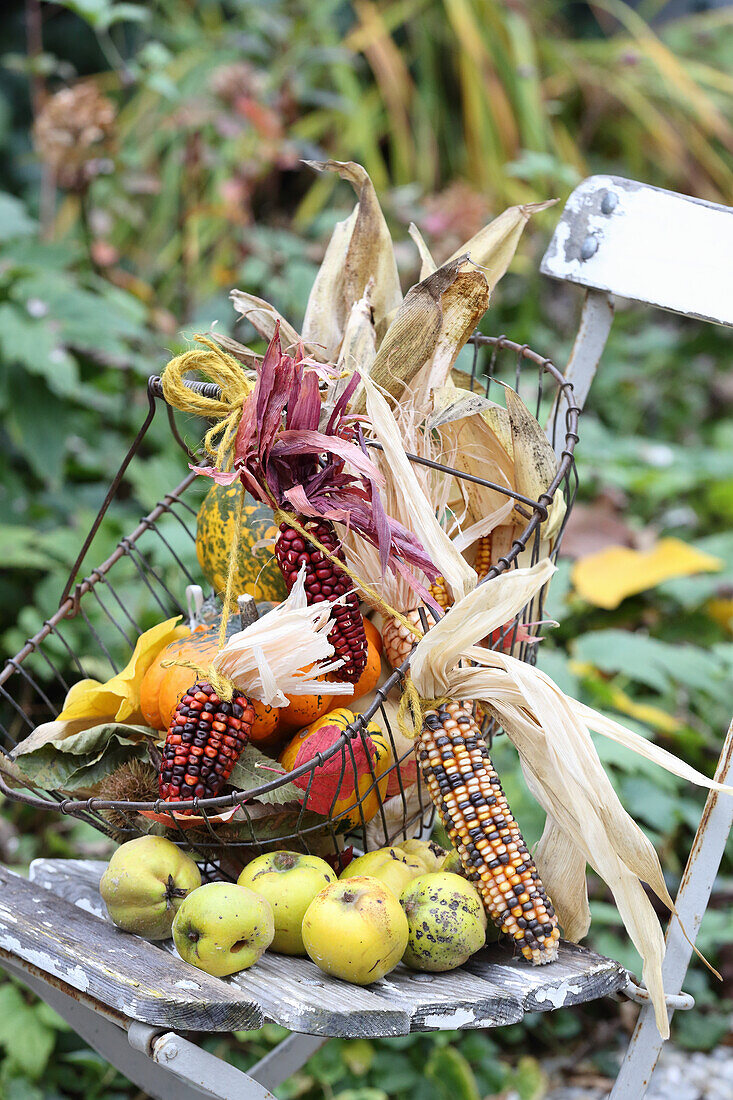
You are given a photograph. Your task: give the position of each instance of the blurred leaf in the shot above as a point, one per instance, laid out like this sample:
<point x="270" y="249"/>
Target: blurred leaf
<point x="452" y="1075"/>
<point x="650" y="661"/>
<point x="19" y="549"/>
<point x="27" y="1040"/>
<point x="14" y="220"/>
<point x="529" y="1079"/>
<point x="608" y="577"/>
<point x="358" y="1056"/>
<point x="102" y="14"/>
<point x="701" y="1031"/>
<point x="362" y="1094"/>
<point x="32" y="342"/>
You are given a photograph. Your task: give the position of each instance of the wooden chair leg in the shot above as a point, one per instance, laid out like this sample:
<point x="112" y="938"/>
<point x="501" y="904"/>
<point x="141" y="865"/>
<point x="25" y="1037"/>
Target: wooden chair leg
<point x="692" y="900"/>
<point x="595" y="324"/>
<point x="286" y="1059"/>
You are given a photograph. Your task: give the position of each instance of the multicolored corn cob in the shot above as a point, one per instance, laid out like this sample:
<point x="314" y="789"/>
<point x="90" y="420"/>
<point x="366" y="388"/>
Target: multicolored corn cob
<point x="466" y="791"/>
<point x="325" y="581"/>
<point x="204" y="741"/>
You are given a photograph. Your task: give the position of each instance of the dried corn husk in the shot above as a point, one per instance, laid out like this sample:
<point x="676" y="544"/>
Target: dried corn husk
<point x="459" y="575"/>
<point x="427" y="263"/>
<point x="284" y="652"/>
<point x="244" y="355"/>
<point x="476" y="447"/>
<point x="413" y="335"/>
<point x="358" y="348"/>
<point x="464" y="303"/>
<point x="434" y="486"/>
<point x="562" y="869"/>
<point x="362" y="250"/>
<point x="551" y="733"/>
<point x="493" y="247"/>
<point x="264" y="319"/>
<point x="398" y="810"/>
<point x="325" y="314"/>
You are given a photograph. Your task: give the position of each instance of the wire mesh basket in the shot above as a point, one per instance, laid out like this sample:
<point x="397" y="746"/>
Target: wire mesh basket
<point x="143" y="580"/>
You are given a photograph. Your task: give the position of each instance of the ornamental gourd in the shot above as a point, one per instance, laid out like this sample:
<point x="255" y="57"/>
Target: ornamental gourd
<point x="257" y="572"/>
<point x="334" y="790"/>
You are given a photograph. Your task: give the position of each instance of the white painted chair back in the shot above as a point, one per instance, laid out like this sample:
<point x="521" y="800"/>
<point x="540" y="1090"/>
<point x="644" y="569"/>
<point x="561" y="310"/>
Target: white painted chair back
<point x="622" y="239"/>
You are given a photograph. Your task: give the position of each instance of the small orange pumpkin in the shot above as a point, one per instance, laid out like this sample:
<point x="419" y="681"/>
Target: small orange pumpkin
<point x="301" y="711"/>
<point x="372" y="669"/>
<point x="162" y="687"/>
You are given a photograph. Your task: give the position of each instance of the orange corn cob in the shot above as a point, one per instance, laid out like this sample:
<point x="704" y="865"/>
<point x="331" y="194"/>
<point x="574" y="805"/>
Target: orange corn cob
<point x="439" y="592"/>
<point x="483" y="556"/>
<point x="467" y="794"/>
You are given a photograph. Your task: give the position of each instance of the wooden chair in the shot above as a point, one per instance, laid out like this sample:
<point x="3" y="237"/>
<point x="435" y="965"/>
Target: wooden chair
<point x="141" y="1007"/>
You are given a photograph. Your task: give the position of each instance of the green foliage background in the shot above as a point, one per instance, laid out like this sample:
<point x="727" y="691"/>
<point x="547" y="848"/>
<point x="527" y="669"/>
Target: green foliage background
<point x="457" y="108"/>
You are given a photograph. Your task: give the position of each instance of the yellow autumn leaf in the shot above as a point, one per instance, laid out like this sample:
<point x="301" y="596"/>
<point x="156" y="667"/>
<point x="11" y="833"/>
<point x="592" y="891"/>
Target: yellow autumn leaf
<point x="643" y="712"/>
<point x="722" y="611"/>
<point x="607" y="578"/>
<point x="119" y="698"/>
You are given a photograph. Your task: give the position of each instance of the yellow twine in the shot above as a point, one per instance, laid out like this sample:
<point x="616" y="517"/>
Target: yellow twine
<point x="223" y="687"/>
<point x="412" y="707"/>
<point x="235" y="387"/>
<point x="221" y="684"/>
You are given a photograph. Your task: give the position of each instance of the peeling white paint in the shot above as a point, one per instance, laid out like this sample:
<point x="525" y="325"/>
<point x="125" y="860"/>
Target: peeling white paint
<point x="183" y="984"/>
<point x="73" y="975"/>
<point x="559" y="995"/>
<point x="95" y="908"/>
<point x="450" y="1021"/>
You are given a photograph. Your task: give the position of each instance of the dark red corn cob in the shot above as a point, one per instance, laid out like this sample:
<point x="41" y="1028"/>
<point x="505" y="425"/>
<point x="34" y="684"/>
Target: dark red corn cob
<point x="204" y="741"/>
<point x="325" y="581"/>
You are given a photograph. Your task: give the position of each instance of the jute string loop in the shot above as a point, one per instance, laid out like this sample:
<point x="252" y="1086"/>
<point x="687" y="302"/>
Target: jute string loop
<point x="226" y="412"/>
<point x="412" y="707"/>
<point x="223" y="687"/>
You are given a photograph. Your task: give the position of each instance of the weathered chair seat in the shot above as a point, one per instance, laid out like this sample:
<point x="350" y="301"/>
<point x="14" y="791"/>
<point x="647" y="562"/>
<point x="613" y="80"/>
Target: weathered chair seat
<point x="69" y="937"/>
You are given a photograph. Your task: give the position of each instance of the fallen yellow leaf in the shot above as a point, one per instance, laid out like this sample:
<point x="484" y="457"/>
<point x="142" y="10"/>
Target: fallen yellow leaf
<point x="722" y="611"/>
<point x="643" y="712"/>
<point x="607" y="578"/>
<point x="119" y="698"/>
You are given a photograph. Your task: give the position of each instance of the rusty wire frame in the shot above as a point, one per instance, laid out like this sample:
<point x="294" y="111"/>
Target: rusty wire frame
<point x="217" y="842"/>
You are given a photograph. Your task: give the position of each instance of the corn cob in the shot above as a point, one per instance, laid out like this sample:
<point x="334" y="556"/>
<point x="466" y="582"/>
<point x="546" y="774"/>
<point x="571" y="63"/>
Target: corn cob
<point x="466" y="791"/>
<point x="439" y="592"/>
<point x="398" y="640"/>
<point x="483" y="556"/>
<point x="204" y="740"/>
<point x="324" y="581"/>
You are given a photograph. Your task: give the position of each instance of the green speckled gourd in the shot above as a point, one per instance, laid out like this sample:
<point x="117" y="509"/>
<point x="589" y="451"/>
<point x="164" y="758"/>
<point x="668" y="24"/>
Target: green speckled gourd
<point x="258" y="573"/>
